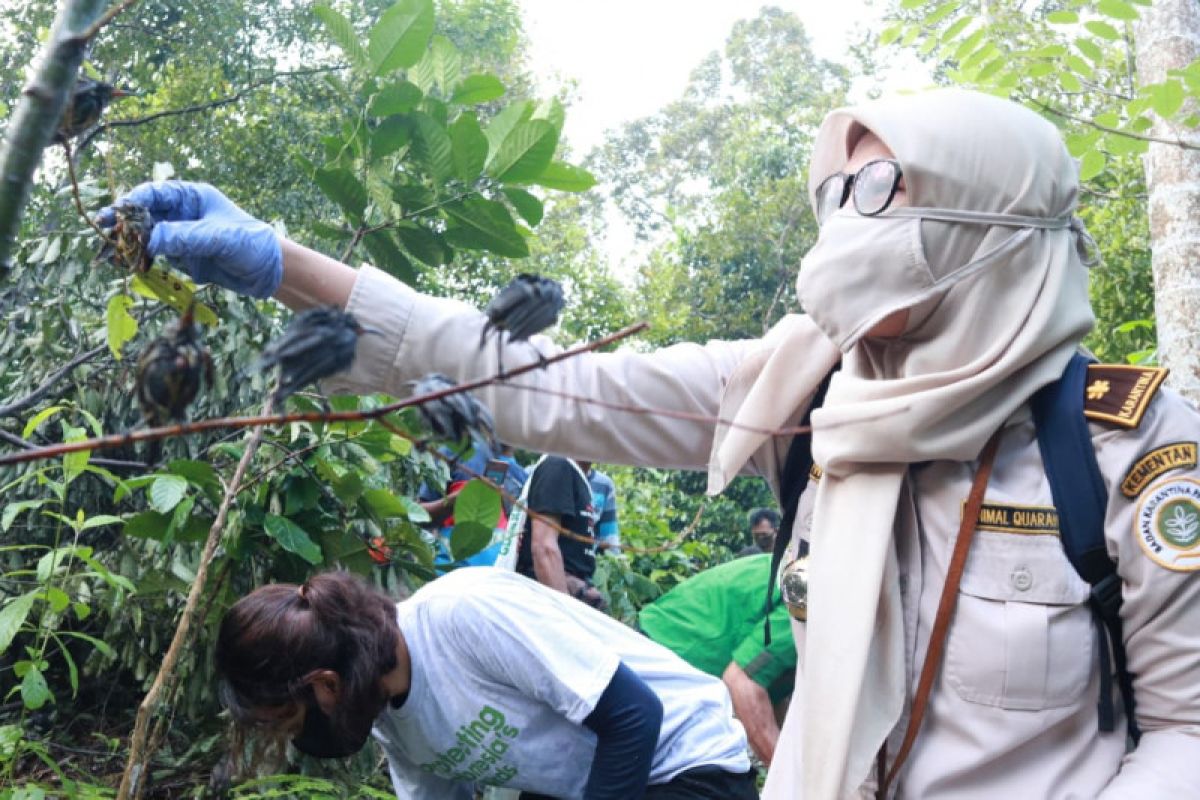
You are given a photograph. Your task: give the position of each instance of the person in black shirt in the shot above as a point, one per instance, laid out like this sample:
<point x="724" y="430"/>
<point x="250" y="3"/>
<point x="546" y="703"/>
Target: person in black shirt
<point x="559" y="495"/>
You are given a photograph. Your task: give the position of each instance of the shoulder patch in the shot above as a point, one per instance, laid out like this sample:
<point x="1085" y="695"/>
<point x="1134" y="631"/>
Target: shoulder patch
<point x="1167" y="524"/>
<point x="1119" y="393"/>
<point x="1158" y="462"/>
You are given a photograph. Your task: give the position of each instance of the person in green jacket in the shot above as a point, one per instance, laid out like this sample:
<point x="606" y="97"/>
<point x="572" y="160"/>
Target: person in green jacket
<point x="714" y="621"/>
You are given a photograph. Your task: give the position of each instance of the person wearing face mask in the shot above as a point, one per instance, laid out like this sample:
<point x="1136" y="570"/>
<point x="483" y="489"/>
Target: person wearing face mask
<point x="947" y="287"/>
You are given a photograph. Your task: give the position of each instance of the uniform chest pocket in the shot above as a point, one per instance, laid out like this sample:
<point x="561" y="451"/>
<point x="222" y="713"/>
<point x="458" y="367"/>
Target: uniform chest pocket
<point x="1022" y="636"/>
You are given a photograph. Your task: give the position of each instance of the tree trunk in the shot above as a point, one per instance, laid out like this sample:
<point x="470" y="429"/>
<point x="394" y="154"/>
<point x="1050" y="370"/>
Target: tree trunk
<point x="1168" y="37"/>
<point x="36" y="116"/>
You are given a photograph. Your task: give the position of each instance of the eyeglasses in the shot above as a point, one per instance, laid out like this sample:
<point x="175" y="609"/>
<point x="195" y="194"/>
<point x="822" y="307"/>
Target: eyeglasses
<point x="873" y="187"/>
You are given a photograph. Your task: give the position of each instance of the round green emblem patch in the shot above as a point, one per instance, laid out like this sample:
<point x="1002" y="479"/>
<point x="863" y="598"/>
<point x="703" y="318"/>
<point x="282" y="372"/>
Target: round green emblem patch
<point x="1167" y="524"/>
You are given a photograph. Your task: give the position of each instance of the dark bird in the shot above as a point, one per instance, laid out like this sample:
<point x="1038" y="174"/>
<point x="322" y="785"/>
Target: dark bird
<point x="169" y="372"/>
<point x="319" y="342"/>
<point x="87" y="102"/>
<point x="454" y="417"/>
<point x="528" y="305"/>
<point x="128" y="239"/>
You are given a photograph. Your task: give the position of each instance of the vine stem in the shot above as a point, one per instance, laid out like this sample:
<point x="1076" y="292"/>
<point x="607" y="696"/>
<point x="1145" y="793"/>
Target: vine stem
<point x="186" y="428"/>
<point x="133" y="778"/>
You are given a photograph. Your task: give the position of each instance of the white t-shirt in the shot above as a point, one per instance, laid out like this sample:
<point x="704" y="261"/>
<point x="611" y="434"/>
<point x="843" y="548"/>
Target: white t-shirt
<point x="504" y="671"/>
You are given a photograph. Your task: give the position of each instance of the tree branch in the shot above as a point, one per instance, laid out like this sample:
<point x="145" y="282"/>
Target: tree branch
<point x="132" y="780"/>
<point x="17" y="406"/>
<point x="37" y="115"/>
<point x="1181" y="143"/>
<point x="17" y="441"/>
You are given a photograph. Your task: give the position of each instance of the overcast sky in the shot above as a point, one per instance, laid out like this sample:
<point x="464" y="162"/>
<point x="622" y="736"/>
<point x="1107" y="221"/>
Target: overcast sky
<point x="631" y="57"/>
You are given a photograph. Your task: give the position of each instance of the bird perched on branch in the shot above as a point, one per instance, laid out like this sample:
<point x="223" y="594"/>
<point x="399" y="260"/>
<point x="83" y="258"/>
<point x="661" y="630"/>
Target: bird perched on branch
<point x="319" y="342"/>
<point x="455" y="416"/>
<point x="87" y="102"/>
<point x="170" y="369"/>
<point x="127" y="245"/>
<point x="527" y="305"/>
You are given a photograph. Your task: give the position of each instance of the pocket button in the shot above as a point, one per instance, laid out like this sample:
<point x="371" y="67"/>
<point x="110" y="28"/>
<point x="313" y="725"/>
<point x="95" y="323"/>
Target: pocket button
<point x="1021" y="579"/>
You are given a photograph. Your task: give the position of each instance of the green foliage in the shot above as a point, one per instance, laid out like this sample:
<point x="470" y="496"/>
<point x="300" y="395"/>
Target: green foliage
<point x="1072" y="63"/>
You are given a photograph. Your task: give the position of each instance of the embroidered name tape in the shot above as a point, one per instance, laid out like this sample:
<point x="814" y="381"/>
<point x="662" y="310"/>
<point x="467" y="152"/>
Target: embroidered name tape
<point x="1167" y="525"/>
<point x="1159" y="461"/>
<point x="1027" y="520"/>
<point x="1120" y="393"/>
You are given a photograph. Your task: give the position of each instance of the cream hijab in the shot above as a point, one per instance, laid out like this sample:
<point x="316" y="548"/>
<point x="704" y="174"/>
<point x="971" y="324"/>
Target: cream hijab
<point x="973" y="354"/>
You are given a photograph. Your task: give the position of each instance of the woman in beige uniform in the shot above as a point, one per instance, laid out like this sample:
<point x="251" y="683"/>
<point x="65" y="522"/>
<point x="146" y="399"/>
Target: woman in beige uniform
<point x="950" y="281"/>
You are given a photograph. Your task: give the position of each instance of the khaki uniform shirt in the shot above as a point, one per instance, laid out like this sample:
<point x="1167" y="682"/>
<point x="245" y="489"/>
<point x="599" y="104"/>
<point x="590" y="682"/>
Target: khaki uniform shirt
<point x="1013" y="711"/>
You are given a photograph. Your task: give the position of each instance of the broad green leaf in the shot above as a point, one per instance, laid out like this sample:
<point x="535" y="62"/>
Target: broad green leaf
<point x="910" y="4"/>
<point x="34" y="691"/>
<point x="958" y="26"/>
<point x="400" y="37"/>
<point x="100" y="520"/>
<point x="342" y="187"/>
<point x="938" y="14"/>
<point x="1167" y="98"/>
<point x="1117" y="9"/>
<point x="166" y="492"/>
<point x="551" y="111"/>
<point x="565" y="177"/>
<point x="968" y="45"/>
<point x="1062" y="18"/>
<point x="1069" y="82"/>
<point x="12" y="617"/>
<point x="389" y="136"/>
<point x="891" y="34"/>
<point x="1080" y="66"/>
<point x="525" y="152"/>
<point x="1120" y="145"/>
<point x="1091" y="165"/>
<point x="1051" y="51"/>
<point x="120" y="323"/>
<point x="100" y="645"/>
<point x="342" y="33"/>
<point x="468" y="538"/>
<point x="57" y="598"/>
<point x="49" y="563"/>
<point x="82" y="611"/>
<point x="1039" y="69"/>
<point x="131" y="485"/>
<point x="37" y="419"/>
<point x="396" y="98"/>
<point x="292" y="537"/>
<point x="148" y="525"/>
<point x="475" y="89"/>
<point x="13" y="510"/>
<point x="388" y="257"/>
<point x="422" y="243"/>
<point x="1090" y="49"/>
<point x="1103" y="30"/>
<point x="384" y="503"/>
<point x="74" y="463"/>
<point x="503" y="123"/>
<point x="481" y="224"/>
<point x="416" y="512"/>
<point x="431" y="145"/>
<point x="469" y="147"/>
<point x="991" y="68"/>
<point x="479" y="503"/>
<point x="529" y="207"/>
<point x="197" y="473"/>
<point x="440" y="67"/>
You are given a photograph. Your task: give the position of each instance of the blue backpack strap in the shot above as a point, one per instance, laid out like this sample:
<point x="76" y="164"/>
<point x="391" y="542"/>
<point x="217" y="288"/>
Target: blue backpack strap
<point x="1081" y="499"/>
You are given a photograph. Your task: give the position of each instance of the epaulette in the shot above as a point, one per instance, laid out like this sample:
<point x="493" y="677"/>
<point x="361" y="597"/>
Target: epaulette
<point x="1120" y="393"/>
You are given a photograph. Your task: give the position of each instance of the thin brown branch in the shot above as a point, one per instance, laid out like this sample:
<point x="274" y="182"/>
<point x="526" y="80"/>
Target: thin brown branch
<point x="17" y="406"/>
<point x="186" y="428"/>
<point x="133" y="779"/>
<point x="13" y="439"/>
<point x="75" y="195"/>
<point x="1091" y="123"/>
<point x="108" y="17"/>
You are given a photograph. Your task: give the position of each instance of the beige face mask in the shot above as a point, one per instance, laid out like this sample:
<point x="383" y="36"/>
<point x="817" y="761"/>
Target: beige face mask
<point x="862" y="269"/>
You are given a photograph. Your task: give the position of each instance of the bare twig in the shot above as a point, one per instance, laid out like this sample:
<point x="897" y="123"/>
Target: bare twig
<point x="13" y="439"/>
<point x="132" y="780"/>
<point x="108" y="16"/>
<point x="1142" y="137"/>
<point x="186" y="428"/>
<point x="17" y="406"/>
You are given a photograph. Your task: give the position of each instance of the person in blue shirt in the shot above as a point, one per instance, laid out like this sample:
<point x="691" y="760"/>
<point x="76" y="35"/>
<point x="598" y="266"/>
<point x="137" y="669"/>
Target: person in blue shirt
<point x="604" y="494"/>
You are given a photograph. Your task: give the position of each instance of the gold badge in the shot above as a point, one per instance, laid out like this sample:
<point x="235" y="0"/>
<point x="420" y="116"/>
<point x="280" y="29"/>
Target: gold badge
<point x="1026" y="520"/>
<point x="1120" y="393"/>
<point x="1159" y="461"/>
<point x="1167" y="525"/>
<point x="815" y="473"/>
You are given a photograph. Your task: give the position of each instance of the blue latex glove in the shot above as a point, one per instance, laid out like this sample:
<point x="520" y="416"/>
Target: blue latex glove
<point x="201" y="230"/>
